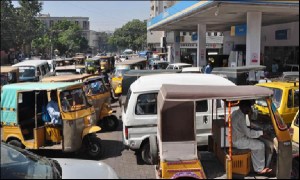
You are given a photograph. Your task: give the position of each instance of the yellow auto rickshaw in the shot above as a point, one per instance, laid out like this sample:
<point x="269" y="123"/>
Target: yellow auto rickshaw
<point x="23" y="112"/>
<point x="9" y="75"/>
<point x="107" y="63"/>
<point x="98" y="95"/>
<point x="174" y="149"/>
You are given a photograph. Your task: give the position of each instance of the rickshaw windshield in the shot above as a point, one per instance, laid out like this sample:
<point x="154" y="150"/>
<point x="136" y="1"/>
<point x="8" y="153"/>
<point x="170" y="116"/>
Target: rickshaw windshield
<point x="120" y="72"/>
<point x="89" y="63"/>
<point x="277" y="95"/>
<point x="94" y="87"/>
<point x="73" y="100"/>
<point x="27" y="71"/>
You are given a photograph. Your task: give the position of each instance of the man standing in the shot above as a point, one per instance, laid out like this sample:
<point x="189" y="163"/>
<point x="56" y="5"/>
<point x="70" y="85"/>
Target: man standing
<point x="243" y="137"/>
<point x="208" y="68"/>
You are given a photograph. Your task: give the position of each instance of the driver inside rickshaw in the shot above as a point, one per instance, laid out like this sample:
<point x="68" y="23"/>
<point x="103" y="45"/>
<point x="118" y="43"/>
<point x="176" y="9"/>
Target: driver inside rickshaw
<point x="245" y="138"/>
<point x="53" y="109"/>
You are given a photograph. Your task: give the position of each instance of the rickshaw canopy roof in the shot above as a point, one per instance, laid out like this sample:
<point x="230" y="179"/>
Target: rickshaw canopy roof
<point x="7" y="69"/>
<point x="132" y="61"/>
<point x="70" y="67"/>
<point x="9" y="96"/>
<point x="198" y="92"/>
<point x="63" y="78"/>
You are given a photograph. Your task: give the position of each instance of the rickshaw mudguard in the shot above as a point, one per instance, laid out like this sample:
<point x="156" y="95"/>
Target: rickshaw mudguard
<point x="181" y="169"/>
<point x="284" y="160"/>
<point x="90" y="130"/>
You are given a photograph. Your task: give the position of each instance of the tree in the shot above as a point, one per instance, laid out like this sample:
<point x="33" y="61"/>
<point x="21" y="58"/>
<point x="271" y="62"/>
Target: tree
<point x="132" y="35"/>
<point x="19" y="25"/>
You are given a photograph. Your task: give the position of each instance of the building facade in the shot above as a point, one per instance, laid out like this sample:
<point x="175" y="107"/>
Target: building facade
<point x="84" y="24"/>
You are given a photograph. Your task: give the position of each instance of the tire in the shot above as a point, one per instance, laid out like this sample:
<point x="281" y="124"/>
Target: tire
<point x="93" y="147"/>
<point x="295" y="169"/>
<point x="11" y="154"/>
<point x="111" y="123"/>
<point x="145" y="153"/>
<point x="16" y="143"/>
<point x="153" y="149"/>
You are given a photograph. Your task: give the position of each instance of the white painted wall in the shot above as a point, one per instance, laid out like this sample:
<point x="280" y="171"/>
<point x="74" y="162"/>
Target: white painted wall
<point x="268" y="35"/>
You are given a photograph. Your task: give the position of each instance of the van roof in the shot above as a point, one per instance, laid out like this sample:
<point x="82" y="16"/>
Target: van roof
<point x="154" y="82"/>
<point x="34" y="63"/>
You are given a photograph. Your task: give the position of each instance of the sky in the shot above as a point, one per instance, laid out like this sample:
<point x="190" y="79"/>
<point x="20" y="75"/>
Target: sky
<point x="103" y="15"/>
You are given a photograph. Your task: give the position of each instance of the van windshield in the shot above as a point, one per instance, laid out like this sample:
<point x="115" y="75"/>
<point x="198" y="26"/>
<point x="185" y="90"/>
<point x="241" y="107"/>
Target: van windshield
<point x="27" y="71"/>
<point x="73" y="100"/>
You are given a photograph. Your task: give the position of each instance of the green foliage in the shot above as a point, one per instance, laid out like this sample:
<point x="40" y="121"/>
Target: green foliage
<point x="132" y="35"/>
<point x="19" y="25"/>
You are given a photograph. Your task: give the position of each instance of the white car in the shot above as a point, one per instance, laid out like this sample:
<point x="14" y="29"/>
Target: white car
<point x="19" y="163"/>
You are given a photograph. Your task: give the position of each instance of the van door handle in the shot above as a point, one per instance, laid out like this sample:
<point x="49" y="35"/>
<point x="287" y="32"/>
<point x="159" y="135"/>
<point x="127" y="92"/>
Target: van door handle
<point x="205" y="119"/>
<point x="221" y="116"/>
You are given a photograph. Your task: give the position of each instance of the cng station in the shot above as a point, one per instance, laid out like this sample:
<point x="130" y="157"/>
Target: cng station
<point x="264" y="28"/>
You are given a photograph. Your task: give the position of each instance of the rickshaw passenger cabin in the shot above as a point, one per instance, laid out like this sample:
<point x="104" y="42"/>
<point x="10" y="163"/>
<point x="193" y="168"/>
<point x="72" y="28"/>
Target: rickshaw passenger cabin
<point x="176" y="117"/>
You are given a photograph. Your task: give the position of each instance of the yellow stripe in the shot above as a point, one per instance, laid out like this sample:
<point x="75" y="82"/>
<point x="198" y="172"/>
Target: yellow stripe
<point x="232" y="32"/>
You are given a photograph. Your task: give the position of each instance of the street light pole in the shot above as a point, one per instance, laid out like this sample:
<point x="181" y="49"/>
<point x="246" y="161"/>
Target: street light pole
<point x="50" y="49"/>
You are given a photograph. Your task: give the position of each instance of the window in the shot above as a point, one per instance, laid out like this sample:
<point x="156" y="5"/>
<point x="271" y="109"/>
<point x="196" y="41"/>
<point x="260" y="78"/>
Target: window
<point x="43" y="70"/>
<point x="290" y="99"/>
<point x="184" y="33"/>
<point x="201" y="106"/>
<point x="146" y="104"/>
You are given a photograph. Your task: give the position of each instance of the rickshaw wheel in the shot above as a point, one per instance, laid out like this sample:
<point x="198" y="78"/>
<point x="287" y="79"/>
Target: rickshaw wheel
<point x="16" y="143"/>
<point x="111" y="123"/>
<point x="94" y="147"/>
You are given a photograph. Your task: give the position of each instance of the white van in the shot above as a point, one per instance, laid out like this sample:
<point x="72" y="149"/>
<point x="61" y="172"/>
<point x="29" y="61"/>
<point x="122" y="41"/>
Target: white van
<point x="33" y="70"/>
<point x="139" y="112"/>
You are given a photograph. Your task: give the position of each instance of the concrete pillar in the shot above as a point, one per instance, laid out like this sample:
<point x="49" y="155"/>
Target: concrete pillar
<point x="176" y="47"/>
<point x="253" y="38"/>
<point x="201" y="45"/>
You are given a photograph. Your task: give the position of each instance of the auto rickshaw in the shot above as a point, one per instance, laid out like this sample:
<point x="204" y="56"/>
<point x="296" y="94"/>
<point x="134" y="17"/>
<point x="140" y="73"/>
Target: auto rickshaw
<point x="9" y="75"/>
<point x="174" y="150"/>
<point x="23" y="108"/>
<point x="98" y="95"/>
<point x="107" y="63"/>
<point x="294" y="130"/>
<point x="120" y="69"/>
<point x="92" y="65"/>
<point x="79" y="58"/>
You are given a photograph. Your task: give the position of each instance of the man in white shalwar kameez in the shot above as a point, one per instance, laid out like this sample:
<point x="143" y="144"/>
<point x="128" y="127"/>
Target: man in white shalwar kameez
<point x="243" y="137"/>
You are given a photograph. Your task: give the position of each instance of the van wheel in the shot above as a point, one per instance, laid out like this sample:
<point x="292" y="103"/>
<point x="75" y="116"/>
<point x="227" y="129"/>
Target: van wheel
<point x="111" y="123"/>
<point x="145" y="153"/>
<point x="295" y="169"/>
<point x="153" y="149"/>
<point x="16" y="143"/>
<point x="93" y="147"/>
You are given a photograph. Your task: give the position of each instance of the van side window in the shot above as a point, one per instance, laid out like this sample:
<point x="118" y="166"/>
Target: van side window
<point x="146" y="104"/>
<point x="201" y="106"/>
<point x="43" y="70"/>
<point x="47" y="68"/>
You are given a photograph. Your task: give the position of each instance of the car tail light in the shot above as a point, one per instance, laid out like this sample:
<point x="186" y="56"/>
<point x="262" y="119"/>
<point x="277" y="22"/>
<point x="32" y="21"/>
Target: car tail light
<point x="126" y="132"/>
<point x="291" y="130"/>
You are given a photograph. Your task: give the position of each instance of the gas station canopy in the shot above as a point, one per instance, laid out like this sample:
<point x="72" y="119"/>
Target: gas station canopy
<point x="221" y="15"/>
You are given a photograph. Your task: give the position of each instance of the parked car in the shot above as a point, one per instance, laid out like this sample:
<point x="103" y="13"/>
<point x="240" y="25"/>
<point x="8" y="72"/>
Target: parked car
<point x="17" y="163"/>
<point x="139" y="112"/>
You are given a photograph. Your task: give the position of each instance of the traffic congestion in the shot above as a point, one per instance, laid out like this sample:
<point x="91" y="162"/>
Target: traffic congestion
<point x="136" y="109"/>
